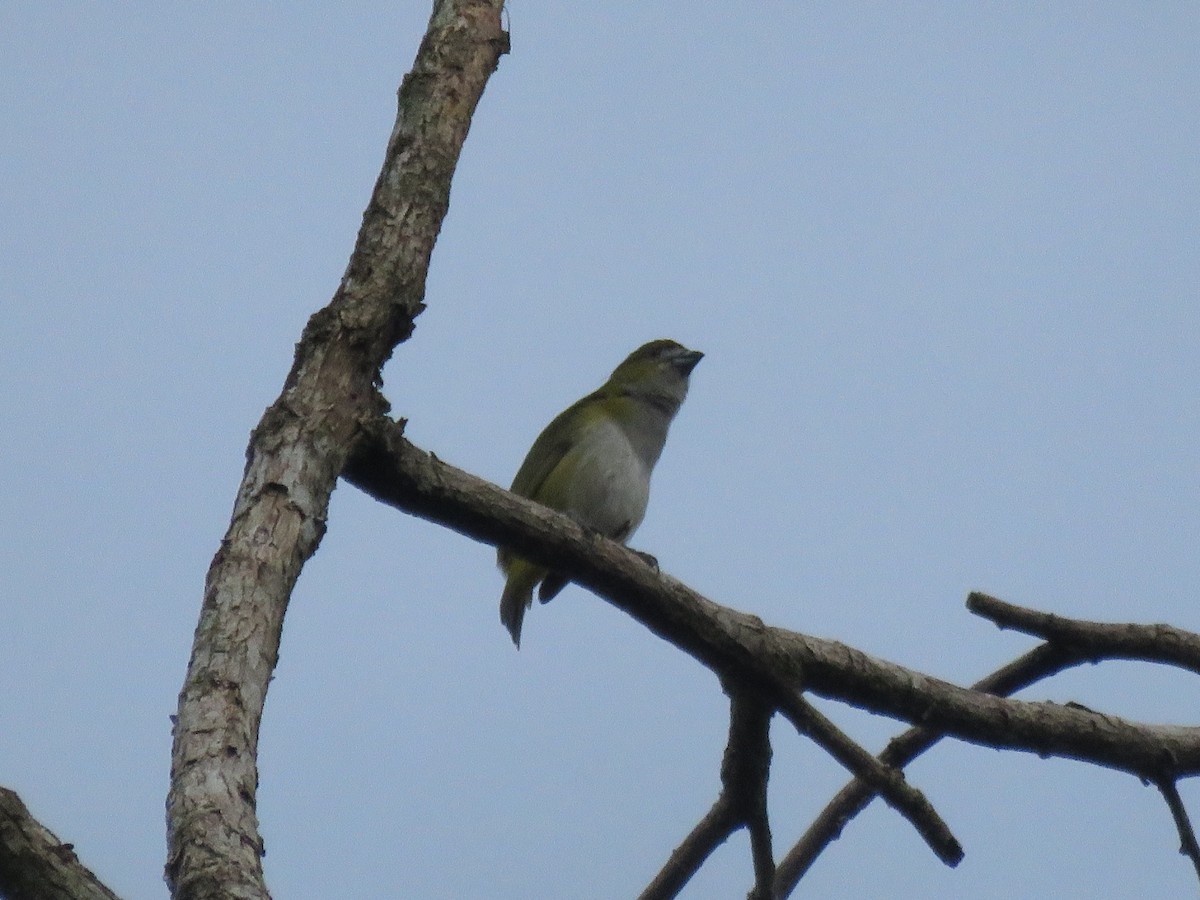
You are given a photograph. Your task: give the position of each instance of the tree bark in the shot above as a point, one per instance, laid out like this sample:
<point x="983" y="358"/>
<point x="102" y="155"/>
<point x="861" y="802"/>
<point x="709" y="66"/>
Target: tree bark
<point x="36" y="865"/>
<point x="297" y="452"/>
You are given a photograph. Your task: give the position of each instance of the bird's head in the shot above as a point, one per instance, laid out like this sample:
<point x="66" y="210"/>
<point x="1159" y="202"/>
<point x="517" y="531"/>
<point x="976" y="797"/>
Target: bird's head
<point x="659" y="368"/>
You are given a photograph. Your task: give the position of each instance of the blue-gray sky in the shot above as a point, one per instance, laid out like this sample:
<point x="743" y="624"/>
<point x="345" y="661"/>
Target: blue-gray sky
<point x="942" y="258"/>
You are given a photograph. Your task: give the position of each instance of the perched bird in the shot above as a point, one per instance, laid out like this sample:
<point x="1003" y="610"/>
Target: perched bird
<point x="593" y="462"/>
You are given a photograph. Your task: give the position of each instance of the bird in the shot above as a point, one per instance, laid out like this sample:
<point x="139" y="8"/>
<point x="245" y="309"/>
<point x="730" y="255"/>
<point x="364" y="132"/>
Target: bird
<point x="593" y="462"/>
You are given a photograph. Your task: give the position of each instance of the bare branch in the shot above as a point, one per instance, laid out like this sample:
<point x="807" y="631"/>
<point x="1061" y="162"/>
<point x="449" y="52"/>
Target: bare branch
<point x="297" y="452"/>
<point x="1099" y="640"/>
<point x="1075" y="642"/>
<point x="36" y="865"/>
<point x="742" y="802"/>
<point x="710" y="833"/>
<point x="882" y="778"/>
<point x="1187" y="835"/>
<point x="1039" y="663"/>
<point x="744" y="774"/>
<point x="740" y="645"/>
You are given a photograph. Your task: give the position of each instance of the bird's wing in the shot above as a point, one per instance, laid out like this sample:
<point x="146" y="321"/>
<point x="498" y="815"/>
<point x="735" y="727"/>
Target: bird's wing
<point x="554" y="443"/>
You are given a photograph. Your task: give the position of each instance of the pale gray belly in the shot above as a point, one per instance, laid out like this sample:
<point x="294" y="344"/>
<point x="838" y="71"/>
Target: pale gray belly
<point x="613" y="487"/>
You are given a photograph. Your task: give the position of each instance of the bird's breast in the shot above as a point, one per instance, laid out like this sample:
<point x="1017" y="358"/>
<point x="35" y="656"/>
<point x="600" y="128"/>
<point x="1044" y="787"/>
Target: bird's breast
<point x="612" y="486"/>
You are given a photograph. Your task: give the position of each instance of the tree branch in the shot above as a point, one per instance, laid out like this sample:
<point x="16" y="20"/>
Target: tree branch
<point x="710" y="832"/>
<point x="1072" y="642"/>
<point x="297" y="452"/>
<point x="745" y="771"/>
<point x="882" y="778"/>
<point x="1098" y="640"/>
<point x="735" y="644"/>
<point x="742" y="802"/>
<point x="1187" y="835"/>
<point x="1039" y="663"/>
<point x="36" y="865"/>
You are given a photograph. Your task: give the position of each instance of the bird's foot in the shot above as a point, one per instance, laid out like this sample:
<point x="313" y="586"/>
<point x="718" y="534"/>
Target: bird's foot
<point x="649" y="560"/>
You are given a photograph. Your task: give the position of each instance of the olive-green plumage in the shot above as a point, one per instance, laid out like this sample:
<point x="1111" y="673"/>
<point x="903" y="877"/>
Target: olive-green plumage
<point x="593" y="462"/>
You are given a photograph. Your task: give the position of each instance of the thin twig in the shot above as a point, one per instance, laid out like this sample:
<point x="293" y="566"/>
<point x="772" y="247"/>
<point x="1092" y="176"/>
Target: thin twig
<point x="1107" y="640"/>
<point x="878" y="775"/>
<point x="763" y="856"/>
<point x="1187" y="835"/>
<point x="1039" y="663"/>
<point x="710" y="832"/>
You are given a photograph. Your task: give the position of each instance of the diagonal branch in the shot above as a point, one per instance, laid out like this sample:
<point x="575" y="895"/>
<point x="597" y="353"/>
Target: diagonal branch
<point x="1039" y="663"/>
<point x="741" y="646"/>
<point x="1187" y="835"/>
<point x="298" y="450"/>
<point x="882" y="778"/>
<point x="35" y="865"/>
<point x="710" y="832"/>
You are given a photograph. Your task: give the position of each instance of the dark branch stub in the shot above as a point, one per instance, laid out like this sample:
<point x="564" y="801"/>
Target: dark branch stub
<point x="745" y="771"/>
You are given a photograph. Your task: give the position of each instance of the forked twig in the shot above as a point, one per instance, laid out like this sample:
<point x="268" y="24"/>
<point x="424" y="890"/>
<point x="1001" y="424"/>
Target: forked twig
<point x="742" y="802"/>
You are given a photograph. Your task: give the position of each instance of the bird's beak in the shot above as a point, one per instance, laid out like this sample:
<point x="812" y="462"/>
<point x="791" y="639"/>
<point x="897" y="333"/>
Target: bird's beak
<point x="686" y="361"/>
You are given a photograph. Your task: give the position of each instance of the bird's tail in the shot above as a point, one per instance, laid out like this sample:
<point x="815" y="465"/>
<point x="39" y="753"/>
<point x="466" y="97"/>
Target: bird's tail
<point x="518" y="595"/>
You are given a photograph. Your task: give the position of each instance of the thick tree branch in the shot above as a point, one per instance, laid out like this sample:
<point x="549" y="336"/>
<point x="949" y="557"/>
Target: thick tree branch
<point x="297" y="452"/>
<point x="35" y="865"/>
<point x="741" y="646"/>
